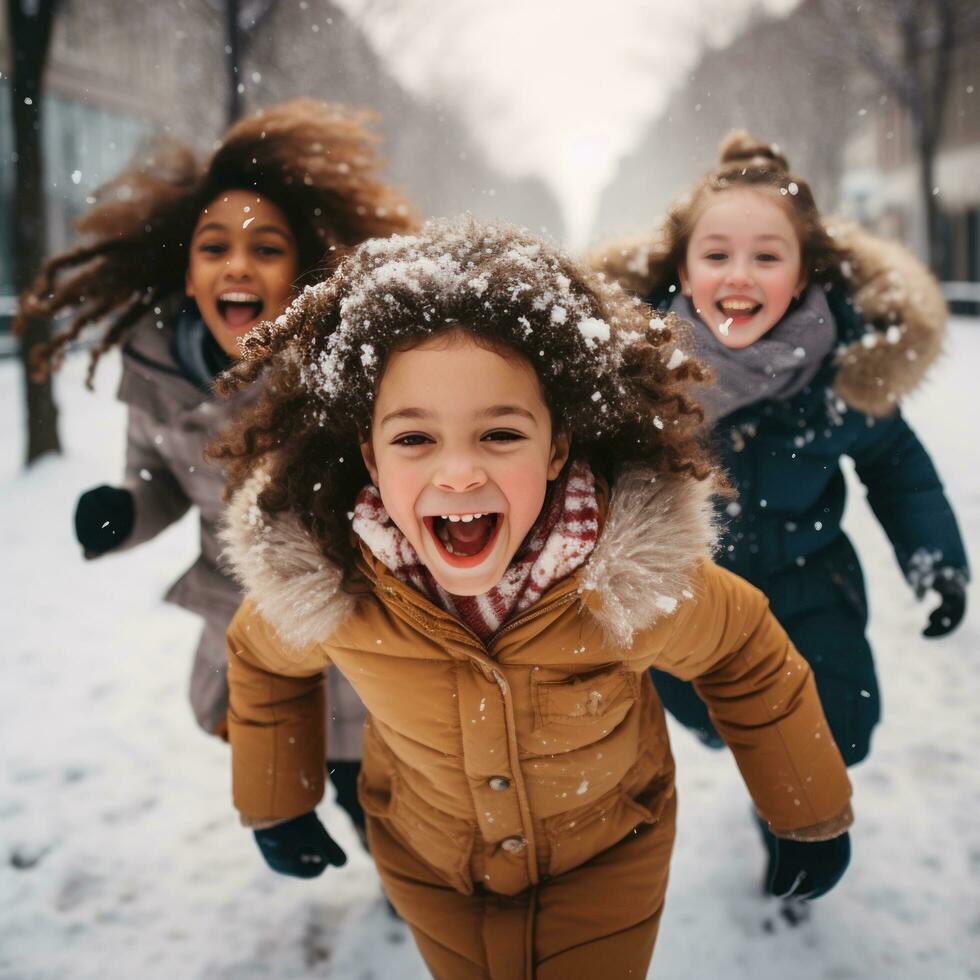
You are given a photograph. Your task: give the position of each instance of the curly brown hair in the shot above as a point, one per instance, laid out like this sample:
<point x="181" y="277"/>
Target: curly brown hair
<point x="610" y="374"/>
<point x="316" y="161"/>
<point x="748" y="162"/>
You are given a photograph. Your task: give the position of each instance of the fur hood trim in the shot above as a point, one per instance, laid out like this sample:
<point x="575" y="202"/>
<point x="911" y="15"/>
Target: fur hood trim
<point x="896" y="295"/>
<point x="905" y="317"/>
<point x="281" y="568"/>
<point x="657" y="529"/>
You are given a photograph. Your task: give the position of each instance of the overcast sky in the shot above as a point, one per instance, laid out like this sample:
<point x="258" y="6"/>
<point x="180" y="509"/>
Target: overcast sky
<point x="552" y="88"/>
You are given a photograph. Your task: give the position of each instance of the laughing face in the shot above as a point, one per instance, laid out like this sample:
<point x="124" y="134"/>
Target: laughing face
<point x="743" y="265"/>
<point x="243" y="265"/>
<point x="462" y="450"/>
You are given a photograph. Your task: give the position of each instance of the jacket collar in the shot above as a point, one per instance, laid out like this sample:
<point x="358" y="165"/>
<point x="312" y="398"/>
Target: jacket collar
<point x="656" y="530"/>
<point x="898" y="299"/>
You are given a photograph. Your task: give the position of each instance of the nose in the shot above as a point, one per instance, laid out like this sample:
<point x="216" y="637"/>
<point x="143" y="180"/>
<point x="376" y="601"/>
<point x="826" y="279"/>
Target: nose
<point x="738" y="274"/>
<point x="238" y="264"/>
<point x="459" y="472"/>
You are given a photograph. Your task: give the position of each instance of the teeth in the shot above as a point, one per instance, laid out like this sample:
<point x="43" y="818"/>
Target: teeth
<point x="239" y="297"/>
<point x="466" y="518"/>
<point x="477" y="516"/>
<point x="455" y="518"/>
<point x="449" y="548"/>
<point x="737" y="305"/>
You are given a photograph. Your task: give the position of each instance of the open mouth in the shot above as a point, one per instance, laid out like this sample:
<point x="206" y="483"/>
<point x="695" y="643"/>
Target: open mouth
<point x="464" y="540"/>
<point x="238" y="310"/>
<point x="736" y="310"/>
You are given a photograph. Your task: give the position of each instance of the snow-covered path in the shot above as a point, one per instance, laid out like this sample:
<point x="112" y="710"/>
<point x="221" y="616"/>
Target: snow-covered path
<point x="122" y="857"/>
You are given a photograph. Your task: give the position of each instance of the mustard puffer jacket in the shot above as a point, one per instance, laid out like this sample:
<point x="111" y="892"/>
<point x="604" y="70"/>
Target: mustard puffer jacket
<point x="504" y="762"/>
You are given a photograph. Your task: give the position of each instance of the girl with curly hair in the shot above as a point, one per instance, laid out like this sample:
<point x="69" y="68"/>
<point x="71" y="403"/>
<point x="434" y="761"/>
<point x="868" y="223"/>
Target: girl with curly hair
<point x="177" y="261"/>
<point x="473" y="484"/>
<point x="813" y="331"/>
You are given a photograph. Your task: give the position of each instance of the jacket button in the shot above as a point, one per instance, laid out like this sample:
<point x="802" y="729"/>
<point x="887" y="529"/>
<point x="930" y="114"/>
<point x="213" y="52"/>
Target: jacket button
<point x="513" y="845"/>
<point x="499" y="783"/>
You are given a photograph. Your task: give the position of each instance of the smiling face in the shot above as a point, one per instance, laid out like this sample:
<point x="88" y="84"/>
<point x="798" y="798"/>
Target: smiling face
<point x="243" y="265"/>
<point x="743" y="265"/>
<point x="462" y="449"/>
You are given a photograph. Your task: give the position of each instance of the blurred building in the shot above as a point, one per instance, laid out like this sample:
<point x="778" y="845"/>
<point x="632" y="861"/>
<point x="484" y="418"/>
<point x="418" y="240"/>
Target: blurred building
<point x="119" y="70"/>
<point x="777" y="80"/>
<point x="314" y="48"/>
<point x="881" y="185"/>
<point x="786" y="82"/>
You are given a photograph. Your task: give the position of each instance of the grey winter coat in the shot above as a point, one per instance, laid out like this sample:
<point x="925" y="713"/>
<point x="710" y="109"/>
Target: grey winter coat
<point x="171" y="421"/>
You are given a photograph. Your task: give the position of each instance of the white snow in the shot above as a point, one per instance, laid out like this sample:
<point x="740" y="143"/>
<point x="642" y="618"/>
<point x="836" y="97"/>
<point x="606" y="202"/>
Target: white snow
<point x="132" y="862"/>
<point x="592" y="330"/>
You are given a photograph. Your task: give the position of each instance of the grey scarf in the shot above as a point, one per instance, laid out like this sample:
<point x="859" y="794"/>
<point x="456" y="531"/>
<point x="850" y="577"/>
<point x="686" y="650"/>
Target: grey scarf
<point x="776" y="366"/>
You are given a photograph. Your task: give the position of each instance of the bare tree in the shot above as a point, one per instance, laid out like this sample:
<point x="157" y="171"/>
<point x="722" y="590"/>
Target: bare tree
<point x="30" y="23"/>
<point x="907" y="46"/>
<point x="242" y="20"/>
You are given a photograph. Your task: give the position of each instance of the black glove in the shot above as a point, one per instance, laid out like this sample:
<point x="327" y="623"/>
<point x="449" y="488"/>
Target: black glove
<point x="951" y="586"/>
<point x="104" y="518"/>
<point x="300" y="847"/>
<point x="807" y="869"/>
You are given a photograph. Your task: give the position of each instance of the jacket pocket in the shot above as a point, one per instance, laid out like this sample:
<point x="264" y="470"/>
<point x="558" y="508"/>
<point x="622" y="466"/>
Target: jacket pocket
<point x="439" y="840"/>
<point x="443" y="842"/>
<point x="579" y="835"/>
<point x="571" y="713"/>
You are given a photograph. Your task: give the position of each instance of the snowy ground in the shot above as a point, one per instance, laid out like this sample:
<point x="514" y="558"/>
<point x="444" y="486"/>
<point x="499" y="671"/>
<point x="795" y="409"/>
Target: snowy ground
<point x="123" y="857"/>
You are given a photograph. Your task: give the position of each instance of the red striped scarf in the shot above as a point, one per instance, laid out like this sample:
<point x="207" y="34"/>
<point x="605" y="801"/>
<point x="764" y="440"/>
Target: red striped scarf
<point x="560" y="541"/>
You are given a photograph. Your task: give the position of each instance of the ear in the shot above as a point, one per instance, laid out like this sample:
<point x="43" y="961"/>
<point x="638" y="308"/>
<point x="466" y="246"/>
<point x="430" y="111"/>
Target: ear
<point x="802" y="284"/>
<point x="367" y="454"/>
<point x="561" y="446"/>
<point x="188" y="285"/>
<point x="685" y="282"/>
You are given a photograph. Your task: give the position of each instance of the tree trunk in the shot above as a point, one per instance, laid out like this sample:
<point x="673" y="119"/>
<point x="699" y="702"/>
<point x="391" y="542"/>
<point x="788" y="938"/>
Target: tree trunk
<point x="929" y="72"/>
<point x="30" y="35"/>
<point x="233" y="46"/>
<point x="930" y="202"/>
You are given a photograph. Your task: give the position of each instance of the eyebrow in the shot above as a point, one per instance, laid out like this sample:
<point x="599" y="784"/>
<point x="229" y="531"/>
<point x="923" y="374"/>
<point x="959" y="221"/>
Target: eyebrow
<point x="499" y="411"/>
<point x="493" y="412"/>
<point x="758" y="238"/>
<point x="261" y="229"/>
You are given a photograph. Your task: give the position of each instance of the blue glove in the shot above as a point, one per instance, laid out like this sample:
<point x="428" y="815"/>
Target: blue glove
<point x="807" y="869"/>
<point x="300" y="847"/>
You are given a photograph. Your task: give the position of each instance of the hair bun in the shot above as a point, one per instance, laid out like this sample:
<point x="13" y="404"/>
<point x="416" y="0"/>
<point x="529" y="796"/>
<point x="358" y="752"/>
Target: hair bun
<point x="740" y="146"/>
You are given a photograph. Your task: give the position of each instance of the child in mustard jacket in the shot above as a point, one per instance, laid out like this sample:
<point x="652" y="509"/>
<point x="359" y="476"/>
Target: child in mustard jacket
<point x="473" y="484"/>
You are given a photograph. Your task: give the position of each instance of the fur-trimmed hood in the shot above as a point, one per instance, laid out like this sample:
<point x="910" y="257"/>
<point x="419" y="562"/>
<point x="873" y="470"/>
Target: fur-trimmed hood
<point x="656" y="530"/>
<point x="900" y="301"/>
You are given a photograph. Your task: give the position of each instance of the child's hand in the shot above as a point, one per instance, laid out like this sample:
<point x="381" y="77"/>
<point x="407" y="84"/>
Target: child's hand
<point x="104" y="518"/>
<point x="808" y="869"/>
<point x="949" y="613"/>
<point x="300" y="847"/>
